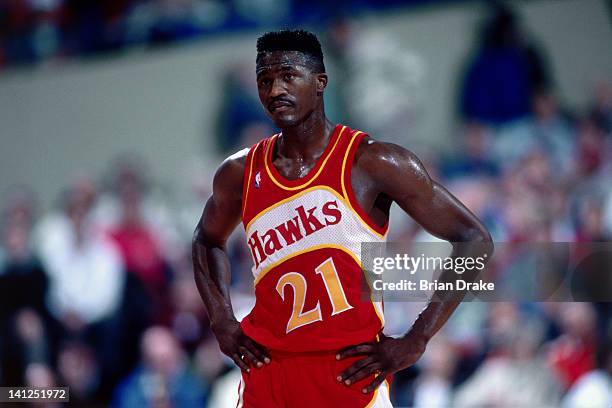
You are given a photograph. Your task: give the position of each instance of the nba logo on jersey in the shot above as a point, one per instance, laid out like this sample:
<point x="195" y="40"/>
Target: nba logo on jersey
<point x="257" y="179"/>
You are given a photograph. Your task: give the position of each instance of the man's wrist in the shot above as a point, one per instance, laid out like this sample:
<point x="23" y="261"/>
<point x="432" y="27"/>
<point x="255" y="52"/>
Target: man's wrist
<point x="222" y="322"/>
<point x="417" y="337"/>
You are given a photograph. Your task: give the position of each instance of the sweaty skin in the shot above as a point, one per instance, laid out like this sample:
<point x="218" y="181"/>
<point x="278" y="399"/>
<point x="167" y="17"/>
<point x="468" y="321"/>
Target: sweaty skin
<point x="383" y="173"/>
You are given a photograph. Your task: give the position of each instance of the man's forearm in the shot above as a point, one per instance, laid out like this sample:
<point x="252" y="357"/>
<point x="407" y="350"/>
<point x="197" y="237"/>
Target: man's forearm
<point x="444" y="302"/>
<point x="212" y="275"/>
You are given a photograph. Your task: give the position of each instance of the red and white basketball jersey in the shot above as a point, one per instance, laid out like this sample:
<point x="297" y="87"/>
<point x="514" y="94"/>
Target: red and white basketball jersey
<point x="305" y="238"/>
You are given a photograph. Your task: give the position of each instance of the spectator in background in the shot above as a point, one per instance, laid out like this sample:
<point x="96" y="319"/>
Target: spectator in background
<point x="79" y="370"/>
<point x="504" y="74"/>
<point x="546" y="131"/>
<point x="573" y="353"/>
<point x="139" y="246"/>
<point x="86" y="276"/>
<point x="162" y="379"/>
<point x="594" y="388"/>
<point x="529" y="199"/>
<point x="17" y="259"/>
<point x="513" y="373"/>
<point x="592" y="149"/>
<point x="590" y="226"/>
<point x="189" y="321"/>
<point x="434" y="385"/>
<point x="84" y="267"/>
<point x="129" y="193"/>
<point x="24" y="322"/>
<point x="473" y="158"/>
<point x="39" y="376"/>
<point x="136" y="219"/>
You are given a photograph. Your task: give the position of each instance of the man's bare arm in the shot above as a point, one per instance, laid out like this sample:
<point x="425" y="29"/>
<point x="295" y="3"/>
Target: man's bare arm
<point x="404" y="179"/>
<point x="399" y="175"/>
<point x="211" y="266"/>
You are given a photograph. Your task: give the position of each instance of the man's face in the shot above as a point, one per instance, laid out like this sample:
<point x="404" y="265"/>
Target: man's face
<point x="288" y="88"/>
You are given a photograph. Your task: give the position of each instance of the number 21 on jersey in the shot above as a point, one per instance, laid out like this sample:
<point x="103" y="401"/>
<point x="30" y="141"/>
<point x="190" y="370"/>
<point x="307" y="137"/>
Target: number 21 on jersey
<point x="300" y="317"/>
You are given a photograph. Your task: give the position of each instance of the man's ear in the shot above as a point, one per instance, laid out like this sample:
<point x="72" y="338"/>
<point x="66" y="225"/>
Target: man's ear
<point x="321" y="83"/>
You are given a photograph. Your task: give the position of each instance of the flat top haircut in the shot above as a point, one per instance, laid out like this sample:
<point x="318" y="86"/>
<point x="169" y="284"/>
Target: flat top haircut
<point x="301" y="41"/>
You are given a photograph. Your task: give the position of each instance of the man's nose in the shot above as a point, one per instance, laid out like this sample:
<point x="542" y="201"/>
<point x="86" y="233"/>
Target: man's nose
<point x="278" y="88"/>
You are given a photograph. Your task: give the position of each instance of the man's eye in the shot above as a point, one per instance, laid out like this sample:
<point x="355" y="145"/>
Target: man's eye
<point x="264" y="82"/>
<point x="288" y="77"/>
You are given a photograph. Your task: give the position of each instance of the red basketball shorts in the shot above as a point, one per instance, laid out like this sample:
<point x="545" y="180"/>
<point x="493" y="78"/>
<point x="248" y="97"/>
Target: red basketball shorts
<point x="296" y="380"/>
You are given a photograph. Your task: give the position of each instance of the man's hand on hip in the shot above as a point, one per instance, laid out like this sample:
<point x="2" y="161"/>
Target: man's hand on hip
<point x="238" y="346"/>
<point x="381" y="358"/>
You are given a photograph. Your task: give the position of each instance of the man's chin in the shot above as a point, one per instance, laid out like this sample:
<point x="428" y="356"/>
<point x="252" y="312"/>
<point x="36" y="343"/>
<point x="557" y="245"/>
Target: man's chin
<point x="285" y="121"/>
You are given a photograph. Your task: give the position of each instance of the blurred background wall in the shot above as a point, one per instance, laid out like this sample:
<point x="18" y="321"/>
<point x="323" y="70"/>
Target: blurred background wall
<point x="163" y="103"/>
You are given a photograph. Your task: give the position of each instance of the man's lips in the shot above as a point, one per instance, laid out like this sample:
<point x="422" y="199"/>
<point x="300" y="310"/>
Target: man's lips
<point x="279" y="105"/>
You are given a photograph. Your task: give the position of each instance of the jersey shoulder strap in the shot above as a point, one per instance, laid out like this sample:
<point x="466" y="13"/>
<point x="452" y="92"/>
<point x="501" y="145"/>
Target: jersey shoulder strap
<point x="348" y="161"/>
<point x="252" y="170"/>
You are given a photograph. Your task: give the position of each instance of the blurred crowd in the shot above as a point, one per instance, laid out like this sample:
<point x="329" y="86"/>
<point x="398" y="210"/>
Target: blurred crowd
<point x="98" y="294"/>
<point x="34" y="31"/>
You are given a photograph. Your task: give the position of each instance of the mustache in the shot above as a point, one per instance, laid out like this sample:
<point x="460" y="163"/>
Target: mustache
<point x="280" y="99"/>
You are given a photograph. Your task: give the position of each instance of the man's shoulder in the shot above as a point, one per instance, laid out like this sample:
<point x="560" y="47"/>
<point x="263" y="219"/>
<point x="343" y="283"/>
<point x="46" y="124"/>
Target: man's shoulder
<point x="232" y="169"/>
<point x="237" y="159"/>
<point x="230" y="173"/>
<point x="373" y="154"/>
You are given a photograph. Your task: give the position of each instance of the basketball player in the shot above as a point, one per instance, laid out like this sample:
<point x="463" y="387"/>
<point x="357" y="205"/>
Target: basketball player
<point x="307" y="198"/>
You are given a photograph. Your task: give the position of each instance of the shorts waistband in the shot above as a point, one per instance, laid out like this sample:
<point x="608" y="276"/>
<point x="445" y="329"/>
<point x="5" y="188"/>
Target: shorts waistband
<point x="288" y="354"/>
<point x="315" y="353"/>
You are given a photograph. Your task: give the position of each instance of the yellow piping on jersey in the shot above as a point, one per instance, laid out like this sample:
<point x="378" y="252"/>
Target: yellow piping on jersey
<point x="303" y="251"/>
<point x="248" y="186"/>
<point x="348" y="149"/>
<point x="373" y="400"/>
<point x="306" y="184"/>
<point x="344" y="191"/>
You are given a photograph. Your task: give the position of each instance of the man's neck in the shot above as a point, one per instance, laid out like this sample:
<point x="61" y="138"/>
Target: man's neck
<point x="307" y="140"/>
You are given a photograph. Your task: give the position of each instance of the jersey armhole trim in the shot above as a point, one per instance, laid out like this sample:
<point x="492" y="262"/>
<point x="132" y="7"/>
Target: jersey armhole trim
<point x="247" y="180"/>
<point x="347" y="188"/>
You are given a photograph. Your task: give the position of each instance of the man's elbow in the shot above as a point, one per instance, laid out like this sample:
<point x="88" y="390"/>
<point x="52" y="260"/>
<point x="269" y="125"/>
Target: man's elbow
<point x="201" y="241"/>
<point x="481" y="237"/>
<point x="484" y="239"/>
